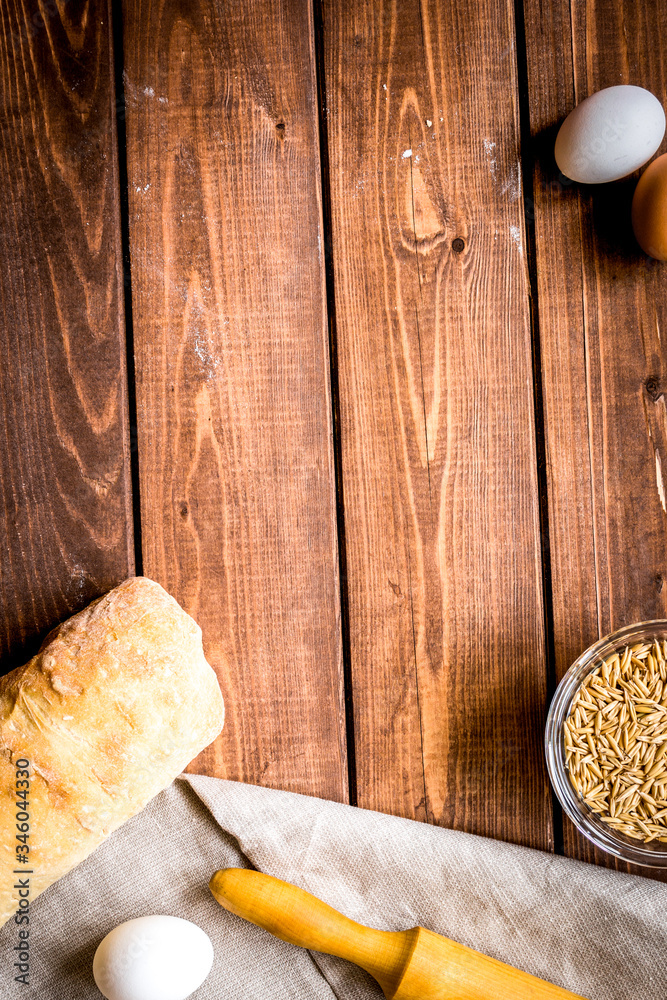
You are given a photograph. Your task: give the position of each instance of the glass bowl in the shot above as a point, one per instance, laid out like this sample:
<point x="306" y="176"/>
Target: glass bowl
<point x="653" y="854"/>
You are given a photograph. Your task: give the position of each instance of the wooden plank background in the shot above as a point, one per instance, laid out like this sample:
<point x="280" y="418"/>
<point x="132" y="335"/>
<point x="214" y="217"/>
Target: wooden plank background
<point x="435" y="377"/>
<point x="234" y="414"/>
<point x="64" y="439"/>
<point x="393" y="423"/>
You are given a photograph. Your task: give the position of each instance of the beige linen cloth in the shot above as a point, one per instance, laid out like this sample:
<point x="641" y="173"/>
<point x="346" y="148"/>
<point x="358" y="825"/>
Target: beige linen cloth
<point x="593" y="931"/>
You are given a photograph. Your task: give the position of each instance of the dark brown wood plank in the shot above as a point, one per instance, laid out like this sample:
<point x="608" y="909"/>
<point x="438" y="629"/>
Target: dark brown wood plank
<point x="64" y="455"/>
<point x="436" y="402"/>
<point x="234" y="424"/>
<point x="603" y="313"/>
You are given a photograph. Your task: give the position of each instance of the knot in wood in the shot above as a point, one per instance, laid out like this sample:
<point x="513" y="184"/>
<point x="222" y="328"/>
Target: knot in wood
<point x="653" y="388"/>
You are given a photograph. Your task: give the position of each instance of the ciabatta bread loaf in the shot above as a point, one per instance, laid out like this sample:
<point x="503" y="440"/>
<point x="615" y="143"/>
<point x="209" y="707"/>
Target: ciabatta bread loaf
<point x="115" y="704"/>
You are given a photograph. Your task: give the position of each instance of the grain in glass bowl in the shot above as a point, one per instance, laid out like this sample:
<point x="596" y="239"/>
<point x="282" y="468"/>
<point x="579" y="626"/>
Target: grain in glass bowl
<point x="606" y="743"/>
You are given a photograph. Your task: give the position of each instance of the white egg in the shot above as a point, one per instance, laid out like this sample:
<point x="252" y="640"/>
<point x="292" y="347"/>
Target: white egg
<point x="153" y="958"/>
<point x="610" y="134"/>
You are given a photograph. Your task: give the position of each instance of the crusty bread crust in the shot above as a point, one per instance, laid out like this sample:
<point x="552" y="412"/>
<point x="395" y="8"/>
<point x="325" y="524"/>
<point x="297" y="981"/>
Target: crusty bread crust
<point x="116" y="703"/>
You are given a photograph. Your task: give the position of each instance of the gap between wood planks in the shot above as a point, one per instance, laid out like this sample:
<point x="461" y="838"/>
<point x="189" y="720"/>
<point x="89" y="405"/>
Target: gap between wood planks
<point x="527" y="167"/>
<point x="119" y="116"/>
<point x="318" y="29"/>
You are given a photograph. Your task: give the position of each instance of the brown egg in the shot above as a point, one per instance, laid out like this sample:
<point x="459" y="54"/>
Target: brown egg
<point x="649" y="209"/>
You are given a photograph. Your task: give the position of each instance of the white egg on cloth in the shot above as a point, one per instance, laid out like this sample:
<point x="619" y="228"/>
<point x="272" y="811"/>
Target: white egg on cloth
<point x="153" y="958"/>
<point x="610" y="134"/>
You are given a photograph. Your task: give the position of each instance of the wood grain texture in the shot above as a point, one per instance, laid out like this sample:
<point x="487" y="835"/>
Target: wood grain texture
<point x="64" y="455"/>
<point x="603" y="313"/>
<point x="234" y="421"/>
<point x="436" y="403"/>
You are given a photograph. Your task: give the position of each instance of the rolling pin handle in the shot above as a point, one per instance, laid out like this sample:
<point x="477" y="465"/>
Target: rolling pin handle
<point x="295" y="916"/>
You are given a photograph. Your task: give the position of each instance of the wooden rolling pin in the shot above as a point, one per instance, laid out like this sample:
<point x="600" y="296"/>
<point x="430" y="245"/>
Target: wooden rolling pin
<point x="409" y="965"/>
